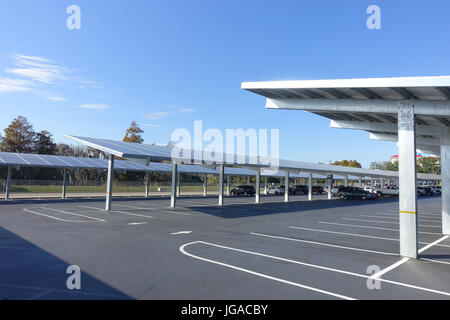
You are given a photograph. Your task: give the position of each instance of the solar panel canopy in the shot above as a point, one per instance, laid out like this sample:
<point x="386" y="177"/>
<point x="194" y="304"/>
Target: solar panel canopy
<point x="136" y="151"/>
<point x="369" y="104"/>
<point x="54" y="161"/>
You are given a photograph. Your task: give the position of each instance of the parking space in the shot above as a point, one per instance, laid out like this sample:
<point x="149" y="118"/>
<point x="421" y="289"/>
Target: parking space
<point x="143" y="249"/>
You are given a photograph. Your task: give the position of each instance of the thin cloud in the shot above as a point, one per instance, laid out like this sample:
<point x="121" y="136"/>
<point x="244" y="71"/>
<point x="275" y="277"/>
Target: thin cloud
<point x="45" y="71"/>
<point x="14" y="85"/>
<point x="56" y="98"/>
<point x="94" y="106"/>
<point x="152" y="125"/>
<point x="157" y="115"/>
<point x="187" y="110"/>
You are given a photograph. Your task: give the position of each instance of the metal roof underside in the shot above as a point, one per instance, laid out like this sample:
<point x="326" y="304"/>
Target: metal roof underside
<point x="353" y="92"/>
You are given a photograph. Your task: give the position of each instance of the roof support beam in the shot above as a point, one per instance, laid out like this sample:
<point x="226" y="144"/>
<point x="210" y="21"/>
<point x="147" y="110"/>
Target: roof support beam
<point x="394" y="137"/>
<point x="422" y="107"/>
<point x="381" y="127"/>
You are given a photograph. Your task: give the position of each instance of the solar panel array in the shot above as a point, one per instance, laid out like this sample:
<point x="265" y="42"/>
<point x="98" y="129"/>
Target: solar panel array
<point x="53" y="161"/>
<point x="137" y="150"/>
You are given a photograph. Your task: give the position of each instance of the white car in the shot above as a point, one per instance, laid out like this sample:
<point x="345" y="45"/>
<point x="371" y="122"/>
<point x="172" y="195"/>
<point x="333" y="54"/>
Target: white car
<point x="390" y="190"/>
<point x="275" y="190"/>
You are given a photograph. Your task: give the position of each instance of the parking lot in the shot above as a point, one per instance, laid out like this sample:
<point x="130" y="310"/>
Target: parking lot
<point x="143" y="249"/>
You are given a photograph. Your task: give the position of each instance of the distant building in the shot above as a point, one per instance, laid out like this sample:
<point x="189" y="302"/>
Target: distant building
<point x="394" y="159"/>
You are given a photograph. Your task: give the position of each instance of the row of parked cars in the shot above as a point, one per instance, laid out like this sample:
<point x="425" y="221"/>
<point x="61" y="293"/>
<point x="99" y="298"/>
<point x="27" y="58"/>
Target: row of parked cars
<point x="295" y="190"/>
<point x="366" y="193"/>
<point x="246" y="190"/>
<point x="429" y="191"/>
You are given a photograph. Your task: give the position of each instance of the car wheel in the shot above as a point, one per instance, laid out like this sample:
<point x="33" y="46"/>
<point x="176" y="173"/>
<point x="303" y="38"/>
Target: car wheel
<point x="343" y="196"/>
<point x="364" y="198"/>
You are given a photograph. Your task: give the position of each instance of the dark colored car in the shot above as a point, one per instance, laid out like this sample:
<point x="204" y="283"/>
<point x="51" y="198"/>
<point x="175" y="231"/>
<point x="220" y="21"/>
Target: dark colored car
<point x="429" y="191"/>
<point x="291" y="190"/>
<point x="243" y="190"/>
<point x="317" y="190"/>
<point x="437" y="189"/>
<point x="300" y="189"/>
<point x="354" y="193"/>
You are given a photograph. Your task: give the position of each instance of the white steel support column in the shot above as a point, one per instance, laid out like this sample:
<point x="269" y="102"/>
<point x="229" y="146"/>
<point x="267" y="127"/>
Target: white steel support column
<point x="310" y="186"/>
<point x="147" y="184"/>
<point x="173" y="191"/>
<point x="63" y="191"/>
<point x="330" y="184"/>
<point x="205" y="186"/>
<point x="346" y="181"/>
<point x="407" y="179"/>
<point x="265" y="185"/>
<point x="8" y="183"/>
<point x="360" y="182"/>
<point x="178" y="184"/>
<point x="221" y="173"/>
<point x="228" y="185"/>
<point x="248" y="180"/>
<point x="445" y="173"/>
<point x="257" y="185"/>
<point x="286" y="187"/>
<point x="109" y="182"/>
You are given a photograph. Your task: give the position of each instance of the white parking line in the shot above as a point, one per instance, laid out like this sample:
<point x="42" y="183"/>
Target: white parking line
<point x="363" y="220"/>
<point x="432" y="244"/>
<point x="370" y="227"/>
<point x="402" y="261"/>
<point x="296" y="284"/>
<point x="360" y="235"/>
<point x="75" y="214"/>
<point x="183" y="213"/>
<point x="117" y="211"/>
<point x="182" y="249"/>
<point x="393" y="218"/>
<point x="133" y="207"/>
<point x="136" y="223"/>
<point x="344" y="233"/>
<point x="325" y="244"/>
<point x="52" y="217"/>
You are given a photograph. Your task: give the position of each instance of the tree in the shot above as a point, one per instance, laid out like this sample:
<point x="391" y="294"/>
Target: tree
<point x="19" y="136"/>
<point x="347" y="163"/>
<point x="133" y="133"/>
<point x="44" y="143"/>
<point x="429" y="165"/>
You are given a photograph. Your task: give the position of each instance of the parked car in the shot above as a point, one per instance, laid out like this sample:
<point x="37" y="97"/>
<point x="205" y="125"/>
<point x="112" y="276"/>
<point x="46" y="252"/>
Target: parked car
<point x="291" y="190"/>
<point x="420" y="191"/>
<point x="370" y="189"/>
<point x="317" y="190"/>
<point x="300" y="189"/>
<point x="437" y="189"/>
<point x="429" y="191"/>
<point x="354" y="193"/>
<point x="388" y="190"/>
<point x="275" y="190"/>
<point x="243" y="190"/>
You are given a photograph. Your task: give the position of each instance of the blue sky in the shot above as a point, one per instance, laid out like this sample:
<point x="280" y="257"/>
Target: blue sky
<point x="167" y="63"/>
